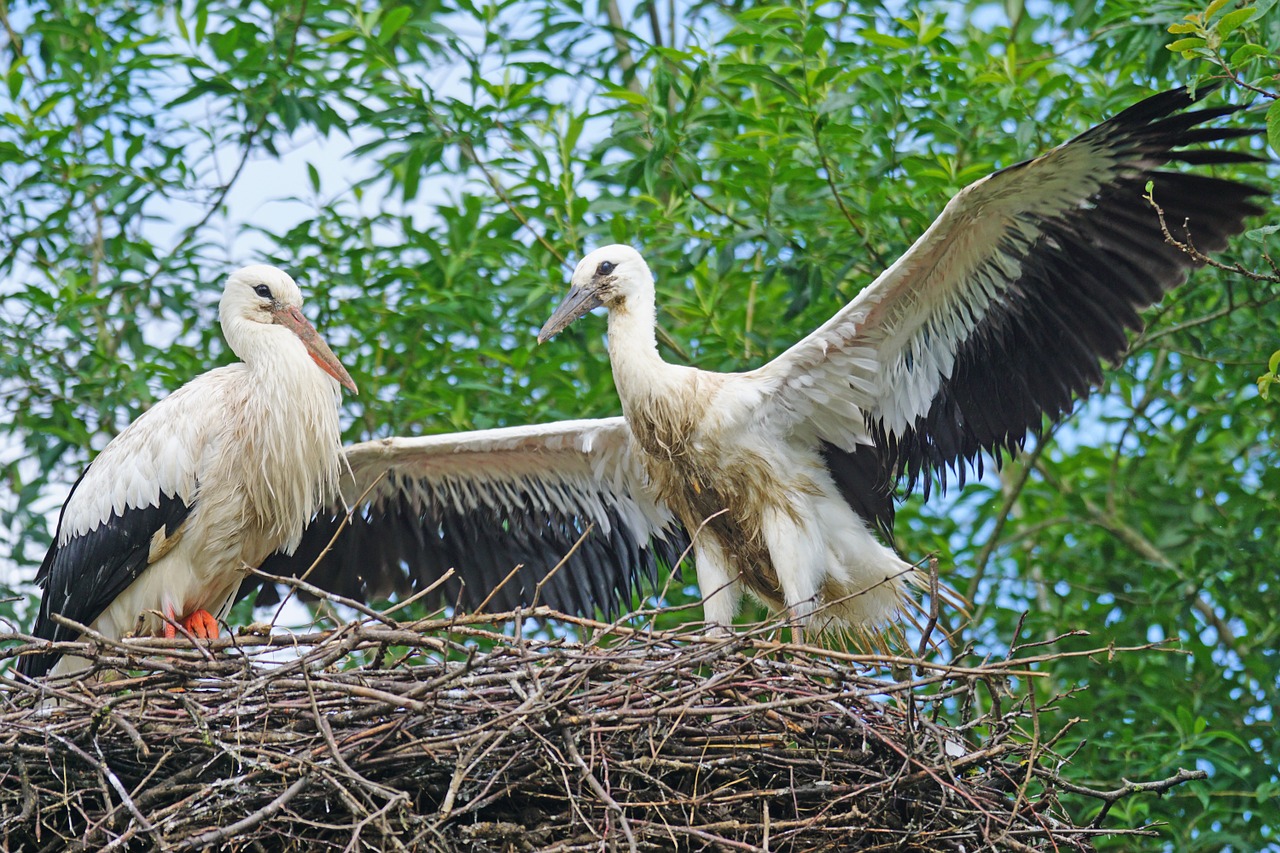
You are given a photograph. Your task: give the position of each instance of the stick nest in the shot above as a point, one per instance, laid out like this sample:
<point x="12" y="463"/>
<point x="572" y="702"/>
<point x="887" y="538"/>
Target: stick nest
<point x="451" y="735"/>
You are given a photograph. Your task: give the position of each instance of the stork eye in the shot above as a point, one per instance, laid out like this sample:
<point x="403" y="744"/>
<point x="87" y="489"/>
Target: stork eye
<point x="263" y="291"/>
<point x="605" y="267"/>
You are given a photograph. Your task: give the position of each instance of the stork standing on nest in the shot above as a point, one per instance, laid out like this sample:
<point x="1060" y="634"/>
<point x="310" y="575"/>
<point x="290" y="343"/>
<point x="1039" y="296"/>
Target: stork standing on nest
<point x="229" y="468"/>
<point x="997" y="317"/>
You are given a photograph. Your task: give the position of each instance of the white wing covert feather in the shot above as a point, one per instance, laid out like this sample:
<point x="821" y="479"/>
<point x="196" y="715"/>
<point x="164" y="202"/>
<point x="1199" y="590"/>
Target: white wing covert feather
<point x="158" y="456"/>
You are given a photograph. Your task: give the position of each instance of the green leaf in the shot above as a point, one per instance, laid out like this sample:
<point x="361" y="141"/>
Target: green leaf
<point x="15" y="77"/>
<point x="1234" y="19"/>
<point x="392" y="22"/>
<point x="1259" y="235"/>
<point x="1263" y="8"/>
<point x="814" y="39"/>
<point x="1183" y="45"/>
<point x="339" y="37"/>
<point x="885" y="40"/>
<point x="1246" y="52"/>
<point x="626" y="95"/>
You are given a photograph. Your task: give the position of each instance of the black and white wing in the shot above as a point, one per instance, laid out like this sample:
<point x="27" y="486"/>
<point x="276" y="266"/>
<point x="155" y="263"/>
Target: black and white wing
<point x="484" y="502"/>
<point x="126" y="510"/>
<point x="1001" y="313"/>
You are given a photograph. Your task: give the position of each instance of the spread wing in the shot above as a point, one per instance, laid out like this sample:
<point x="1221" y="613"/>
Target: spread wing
<point x="1000" y="314"/>
<point x="485" y="502"/>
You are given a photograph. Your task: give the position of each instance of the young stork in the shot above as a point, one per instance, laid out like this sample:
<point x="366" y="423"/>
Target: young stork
<point x="997" y="317"/>
<point x="224" y="471"/>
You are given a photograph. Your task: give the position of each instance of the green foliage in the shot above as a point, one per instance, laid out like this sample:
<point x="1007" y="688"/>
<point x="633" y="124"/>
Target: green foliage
<point x="1237" y="38"/>
<point x="1266" y="380"/>
<point x="770" y="160"/>
<point x="1240" y="41"/>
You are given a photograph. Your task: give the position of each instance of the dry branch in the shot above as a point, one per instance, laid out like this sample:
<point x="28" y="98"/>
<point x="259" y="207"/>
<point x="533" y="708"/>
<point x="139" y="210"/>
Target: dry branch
<point x="447" y="735"/>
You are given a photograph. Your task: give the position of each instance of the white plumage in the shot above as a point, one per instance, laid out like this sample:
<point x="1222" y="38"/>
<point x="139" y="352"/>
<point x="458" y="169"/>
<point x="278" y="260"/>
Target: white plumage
<point x="784" y="477"/>
<point x="209" y="481"/>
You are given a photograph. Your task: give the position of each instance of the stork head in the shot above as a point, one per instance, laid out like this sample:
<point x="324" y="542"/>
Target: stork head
<point x="609" y="276"/>
<point x="261" y="294"/>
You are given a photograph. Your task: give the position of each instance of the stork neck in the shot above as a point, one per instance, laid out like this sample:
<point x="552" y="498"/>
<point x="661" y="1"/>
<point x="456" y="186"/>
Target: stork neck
<point x="247" y="340"/>
<point x="638" y="370"/>
<point x="632" y="340"/>
<point x="273" y="353"/>
<point x="288" y="416"/>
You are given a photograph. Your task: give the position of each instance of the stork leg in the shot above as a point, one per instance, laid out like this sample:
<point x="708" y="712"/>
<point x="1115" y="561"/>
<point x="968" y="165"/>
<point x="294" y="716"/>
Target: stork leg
<point x="201" y="624"/>
<point x="720" y="589"/>
<point x="800" y="558"/>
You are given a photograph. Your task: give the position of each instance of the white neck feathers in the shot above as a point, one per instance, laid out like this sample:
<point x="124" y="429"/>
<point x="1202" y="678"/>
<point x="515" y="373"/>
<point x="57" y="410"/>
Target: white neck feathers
<point x="639" y="373"/>
<point x="289" y="426"/>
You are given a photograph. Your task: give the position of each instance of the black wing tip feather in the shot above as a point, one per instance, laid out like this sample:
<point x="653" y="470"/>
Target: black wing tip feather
<point x="42" y="574"/>
<point x="1146" y="111"/>
<point x="1164" y="125"/>
<point x="1168" y="101"/>
<point x="865" y="483"/>
<point x="398" y="547"/>
<point x="1083" y="283"/>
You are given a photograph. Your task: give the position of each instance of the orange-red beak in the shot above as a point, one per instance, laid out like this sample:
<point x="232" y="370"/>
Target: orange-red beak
<point x="291" y="318"/>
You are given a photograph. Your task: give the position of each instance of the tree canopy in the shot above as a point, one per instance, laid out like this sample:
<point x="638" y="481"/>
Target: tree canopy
<point x="427" y="170"/>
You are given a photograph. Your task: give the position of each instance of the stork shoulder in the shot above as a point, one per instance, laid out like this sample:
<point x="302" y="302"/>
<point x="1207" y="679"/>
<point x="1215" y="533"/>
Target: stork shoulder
<point x="160" y="454"/>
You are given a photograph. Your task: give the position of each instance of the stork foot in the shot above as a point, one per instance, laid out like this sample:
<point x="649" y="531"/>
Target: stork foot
<point x="201" y="624"/>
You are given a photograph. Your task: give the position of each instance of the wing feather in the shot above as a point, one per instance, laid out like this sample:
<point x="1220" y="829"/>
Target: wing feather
<point x="1002" y="312"/>
<point x="143" y="485"/>
<point x="84" y="574"/>
<point x="486" y="501"/>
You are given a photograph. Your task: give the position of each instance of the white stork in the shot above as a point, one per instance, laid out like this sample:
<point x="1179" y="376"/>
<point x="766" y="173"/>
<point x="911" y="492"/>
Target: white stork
<point x="212" y="479"/>
<point x="998" y="316"/>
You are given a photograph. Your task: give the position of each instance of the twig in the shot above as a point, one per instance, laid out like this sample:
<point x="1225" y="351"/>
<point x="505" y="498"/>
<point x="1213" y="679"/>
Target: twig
<point x="244" y="825"/>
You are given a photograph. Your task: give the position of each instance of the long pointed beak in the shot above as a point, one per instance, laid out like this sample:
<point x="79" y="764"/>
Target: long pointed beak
<point x="291" y="318"/>
<point x="578" y="302"/>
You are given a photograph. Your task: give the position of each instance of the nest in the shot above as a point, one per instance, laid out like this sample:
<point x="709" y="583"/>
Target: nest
<point x="449" y="734"/>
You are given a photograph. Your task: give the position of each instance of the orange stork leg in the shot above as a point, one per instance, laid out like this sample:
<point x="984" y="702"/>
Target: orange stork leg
<point x="199" y="624"/>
